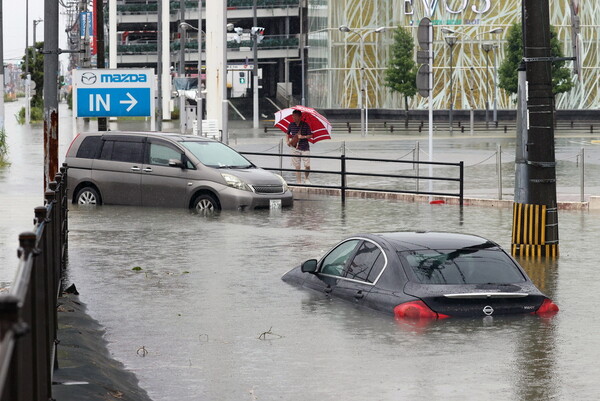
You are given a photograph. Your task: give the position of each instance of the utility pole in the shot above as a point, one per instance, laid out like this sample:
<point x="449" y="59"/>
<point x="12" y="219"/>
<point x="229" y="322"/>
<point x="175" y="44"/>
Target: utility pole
<point x="27" y="75"/>
<point x="50" y="90"/>
<point x="100" y="56"/>
<point x="159" y="64"/>
<point x="255" y="67"/>
<point x="182" y="34"/>
<point x="199" y="94"/>
<point x="1" y="70"/>
<point x="535" y="210"/>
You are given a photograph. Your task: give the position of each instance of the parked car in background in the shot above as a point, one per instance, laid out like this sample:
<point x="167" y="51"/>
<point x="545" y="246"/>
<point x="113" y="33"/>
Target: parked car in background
<point x="168" y="170"/>
<point x="419" y="275"/>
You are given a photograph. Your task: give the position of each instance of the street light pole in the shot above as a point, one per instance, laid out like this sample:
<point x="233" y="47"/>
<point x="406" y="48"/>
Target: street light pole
<point x="486" y="48"/>
<point x="35" y="24"/>
<point x="451" y="41"/>
<point x="27" y="75"/>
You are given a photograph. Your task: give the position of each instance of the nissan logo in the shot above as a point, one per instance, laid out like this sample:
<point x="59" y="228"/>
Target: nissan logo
<point x="88" y="78"/>
<point x="488" y="310"/>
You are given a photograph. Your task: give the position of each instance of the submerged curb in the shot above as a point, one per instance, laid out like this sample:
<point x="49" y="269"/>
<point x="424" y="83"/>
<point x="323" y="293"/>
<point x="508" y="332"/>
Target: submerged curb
<point x="593" y="204"/>
<point x="86" y="371"/>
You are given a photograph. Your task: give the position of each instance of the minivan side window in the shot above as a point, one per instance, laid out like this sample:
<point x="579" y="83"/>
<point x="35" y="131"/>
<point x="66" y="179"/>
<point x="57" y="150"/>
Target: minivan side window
<point x="160" y="154"/>
<point x="130" y="152"/>
<point x="89" y="147"/>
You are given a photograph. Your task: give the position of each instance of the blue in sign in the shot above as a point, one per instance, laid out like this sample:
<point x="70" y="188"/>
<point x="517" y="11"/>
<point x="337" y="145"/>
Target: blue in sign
<point x="113" y="102"/>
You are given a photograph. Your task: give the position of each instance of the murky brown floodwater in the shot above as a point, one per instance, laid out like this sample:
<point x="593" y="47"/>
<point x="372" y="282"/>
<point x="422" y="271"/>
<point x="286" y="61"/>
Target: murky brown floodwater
<point x="209" y="287"/>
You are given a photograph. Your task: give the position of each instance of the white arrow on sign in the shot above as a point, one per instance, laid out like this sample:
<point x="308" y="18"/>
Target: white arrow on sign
<point x="132" y="102"/>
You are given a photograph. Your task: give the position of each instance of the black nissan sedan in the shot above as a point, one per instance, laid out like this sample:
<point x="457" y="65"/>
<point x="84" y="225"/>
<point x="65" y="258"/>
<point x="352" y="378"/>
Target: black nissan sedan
<point x="424" y="275"/>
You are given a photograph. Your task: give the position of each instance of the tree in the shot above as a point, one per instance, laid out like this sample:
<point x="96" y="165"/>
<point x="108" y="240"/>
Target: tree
<point x="36" y="69"/>
<point x="509" y="80"/>
<point x="401" y="73"/>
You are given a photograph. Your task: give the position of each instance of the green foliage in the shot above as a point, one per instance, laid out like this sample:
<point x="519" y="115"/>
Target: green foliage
<point x="137" y="269"/>
<point x="508" y="75"/>
<point x="36" y="69"/>
<point x="36" y="115"/>
<point x="402" y="69"/>
<point x="9" y="98"/>
<point x="3" y="149"/>
<point x="70" y="99"/>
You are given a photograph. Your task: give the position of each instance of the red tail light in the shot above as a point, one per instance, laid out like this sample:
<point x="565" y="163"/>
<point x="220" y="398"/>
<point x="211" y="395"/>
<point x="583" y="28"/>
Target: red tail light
<point x="416" y="310"/>
<point x="72" y="142"/>
<point x="547" y="308"/>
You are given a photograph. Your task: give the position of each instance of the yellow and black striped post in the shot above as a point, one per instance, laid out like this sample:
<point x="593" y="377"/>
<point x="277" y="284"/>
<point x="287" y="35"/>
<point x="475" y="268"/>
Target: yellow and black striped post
<point x="532" y="234"/>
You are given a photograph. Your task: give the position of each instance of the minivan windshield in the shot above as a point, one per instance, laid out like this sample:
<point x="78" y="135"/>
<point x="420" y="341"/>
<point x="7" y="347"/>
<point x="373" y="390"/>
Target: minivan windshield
<point x="215" y="154"/>
<point x="462" y="266"/>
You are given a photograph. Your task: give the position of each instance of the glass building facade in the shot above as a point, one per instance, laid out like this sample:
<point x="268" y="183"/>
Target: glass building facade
<point x="336" y="58"/>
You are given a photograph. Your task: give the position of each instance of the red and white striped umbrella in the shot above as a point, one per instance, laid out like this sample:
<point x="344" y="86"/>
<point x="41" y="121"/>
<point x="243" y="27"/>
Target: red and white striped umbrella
<point x="320" y="127"/>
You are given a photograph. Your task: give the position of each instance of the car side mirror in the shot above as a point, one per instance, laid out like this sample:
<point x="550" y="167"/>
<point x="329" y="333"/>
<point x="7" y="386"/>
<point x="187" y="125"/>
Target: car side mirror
<point x="176" y="163"/>
<point x="310" y="266"/>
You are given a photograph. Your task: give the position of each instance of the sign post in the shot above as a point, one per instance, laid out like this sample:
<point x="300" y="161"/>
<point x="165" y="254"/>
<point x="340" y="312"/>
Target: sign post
<point x="114" y="93"/>
<point x="425" y="78"/>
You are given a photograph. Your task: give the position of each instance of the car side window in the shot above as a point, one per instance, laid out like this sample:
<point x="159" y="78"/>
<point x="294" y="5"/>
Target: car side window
<point x="364" y="262"/>
<point x="160" y="154"/>
<point x="335" y="262"/>
<point x="89" y="147"/>
<point x="107" y="148"/>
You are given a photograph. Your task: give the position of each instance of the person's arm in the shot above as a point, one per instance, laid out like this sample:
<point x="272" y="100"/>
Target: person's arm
<point x="306" y="135"/>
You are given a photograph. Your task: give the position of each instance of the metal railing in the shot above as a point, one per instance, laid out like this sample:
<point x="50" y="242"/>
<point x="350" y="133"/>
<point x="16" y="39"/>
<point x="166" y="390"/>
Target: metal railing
<point x="28" y="312"/>
<point x="344" y="173"/>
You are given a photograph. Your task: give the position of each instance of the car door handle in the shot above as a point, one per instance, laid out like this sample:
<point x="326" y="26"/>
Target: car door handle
<point x="328" y="289"/>
<point x="148" y="170"/>
<point x="135" y="168"/>
<point x="359" y="295"/>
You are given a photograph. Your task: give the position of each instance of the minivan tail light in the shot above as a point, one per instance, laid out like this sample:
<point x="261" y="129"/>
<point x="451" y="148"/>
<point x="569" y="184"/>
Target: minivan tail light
<point x="72" y="142"/>
<point x="547" y="308"/>
<point x="416" y="310"/>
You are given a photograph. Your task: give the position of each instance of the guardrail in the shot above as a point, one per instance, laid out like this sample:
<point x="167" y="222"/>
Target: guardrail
<point x="344" y="173"/>
<point x="28" y="312"/>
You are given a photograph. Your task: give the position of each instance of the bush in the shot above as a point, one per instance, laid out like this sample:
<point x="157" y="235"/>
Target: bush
<point x="3" y="149"/>
<point x="10" y="97"/>
<point x="37" y="115"/>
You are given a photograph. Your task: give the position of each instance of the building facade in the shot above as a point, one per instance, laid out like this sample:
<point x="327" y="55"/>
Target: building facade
<point x="480" y="27"/>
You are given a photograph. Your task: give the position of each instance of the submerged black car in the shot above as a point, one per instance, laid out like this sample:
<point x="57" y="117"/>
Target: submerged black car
<point x="424" y="275"/>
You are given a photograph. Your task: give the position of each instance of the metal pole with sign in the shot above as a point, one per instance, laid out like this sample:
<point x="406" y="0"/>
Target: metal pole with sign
<point x="425" y="77"/>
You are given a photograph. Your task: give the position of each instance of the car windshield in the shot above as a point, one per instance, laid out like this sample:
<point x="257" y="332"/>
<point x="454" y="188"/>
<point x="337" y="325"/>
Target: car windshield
<point x="215" y="154"/>
<point x="462" y="266"/>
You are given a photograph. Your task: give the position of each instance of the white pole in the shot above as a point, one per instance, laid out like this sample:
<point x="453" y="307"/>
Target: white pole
<point x="166" y="61"/>
<point x="216" y="69"/>
<point x="199" y="90"/>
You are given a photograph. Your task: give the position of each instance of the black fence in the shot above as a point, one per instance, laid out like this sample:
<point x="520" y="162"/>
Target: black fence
<point x="344" y="173"/>
<point x="28" y="312"/>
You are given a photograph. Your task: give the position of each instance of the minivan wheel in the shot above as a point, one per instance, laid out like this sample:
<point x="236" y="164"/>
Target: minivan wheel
<point x="88" y="196"/>
<point x="205" y="204"/>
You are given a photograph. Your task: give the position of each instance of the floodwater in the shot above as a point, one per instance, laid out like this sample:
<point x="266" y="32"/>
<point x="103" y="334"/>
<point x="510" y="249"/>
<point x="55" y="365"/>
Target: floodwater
<point x="190" y="323"/>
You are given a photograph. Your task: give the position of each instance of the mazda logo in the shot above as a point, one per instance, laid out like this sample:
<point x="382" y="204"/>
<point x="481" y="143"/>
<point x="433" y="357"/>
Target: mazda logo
<point x="88" y="78"/>
<point x="488" y="310"/>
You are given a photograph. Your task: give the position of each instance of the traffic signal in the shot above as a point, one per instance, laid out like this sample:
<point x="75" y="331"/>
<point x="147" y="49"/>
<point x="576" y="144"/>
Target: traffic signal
<point x="238" y="31"/>
<point x="257" y="33"/>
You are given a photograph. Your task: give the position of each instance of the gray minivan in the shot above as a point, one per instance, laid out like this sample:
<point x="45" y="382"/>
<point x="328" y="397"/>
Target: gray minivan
<point x="171" y="170"/>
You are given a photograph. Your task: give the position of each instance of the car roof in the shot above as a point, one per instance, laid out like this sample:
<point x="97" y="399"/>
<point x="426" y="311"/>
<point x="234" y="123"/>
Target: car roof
<point x="166" y="135"/>
<point x="406" y="241"/>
